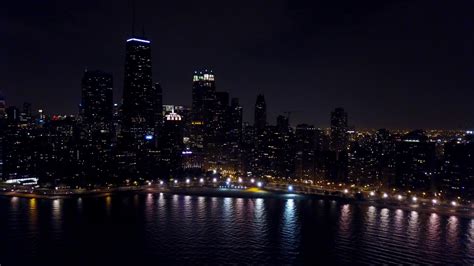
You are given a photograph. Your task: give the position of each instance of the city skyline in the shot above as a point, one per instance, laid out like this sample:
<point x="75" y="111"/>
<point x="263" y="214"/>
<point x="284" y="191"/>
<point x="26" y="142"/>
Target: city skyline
<point x="293" y="132"/>
<point x="392" y="108"/>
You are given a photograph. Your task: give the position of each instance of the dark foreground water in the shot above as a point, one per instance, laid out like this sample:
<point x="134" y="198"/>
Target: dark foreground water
<point x="176" y="229"/>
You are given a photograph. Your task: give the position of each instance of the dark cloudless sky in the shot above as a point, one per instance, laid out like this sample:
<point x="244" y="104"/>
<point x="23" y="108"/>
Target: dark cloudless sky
<point x="389" y="63"/>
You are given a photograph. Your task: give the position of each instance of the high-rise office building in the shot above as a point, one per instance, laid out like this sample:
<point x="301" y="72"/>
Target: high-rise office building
<point x="203" y="108"/>
<point x="97" y="128"/>
<point x="140" y="113"/>
<point x="203" y="117"/>
<point x="26" y="114"/>
<point x="171" y="146"/>
<point x="139" y="95"/>
<point x="234" y="136"/>
<point x="159" y="106"/>
<point x="97" y="100"/>
<point x="260" y="113"/>
<point x="2" y="133"/>
<point x="306" y="148"/>
<point x="203" y="95"/>
<point x="2" y="106"/>
<point x="415" y="161"/>
<point x="339" y="137"/>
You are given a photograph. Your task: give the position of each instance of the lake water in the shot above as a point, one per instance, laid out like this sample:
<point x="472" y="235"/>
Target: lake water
<point x="168" y="229"/>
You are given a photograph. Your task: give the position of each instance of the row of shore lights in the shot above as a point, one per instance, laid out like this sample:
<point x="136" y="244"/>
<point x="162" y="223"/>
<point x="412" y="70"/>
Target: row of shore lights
<point x="214" y="180"/>
<point x="400" y="197"/>
<point x="290" y="188"/>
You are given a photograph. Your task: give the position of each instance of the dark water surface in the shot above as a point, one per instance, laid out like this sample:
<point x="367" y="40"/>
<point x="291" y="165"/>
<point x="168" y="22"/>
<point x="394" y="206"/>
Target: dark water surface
<point x="177" y="229"/>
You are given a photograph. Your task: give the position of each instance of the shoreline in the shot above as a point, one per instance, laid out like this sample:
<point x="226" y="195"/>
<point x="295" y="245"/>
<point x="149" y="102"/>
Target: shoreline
<point x="240" y="193"/>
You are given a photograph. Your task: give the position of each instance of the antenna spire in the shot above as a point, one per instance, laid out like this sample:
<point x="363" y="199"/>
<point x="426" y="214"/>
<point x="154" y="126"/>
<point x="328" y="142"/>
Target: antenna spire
<point x="133" y="18"/>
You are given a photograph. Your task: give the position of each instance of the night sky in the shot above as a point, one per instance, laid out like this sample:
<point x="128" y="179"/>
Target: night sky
<point x="393" y="64"/>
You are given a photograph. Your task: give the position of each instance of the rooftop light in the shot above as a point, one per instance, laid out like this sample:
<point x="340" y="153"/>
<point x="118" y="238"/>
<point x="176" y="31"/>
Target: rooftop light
<point x="137" y="40"/>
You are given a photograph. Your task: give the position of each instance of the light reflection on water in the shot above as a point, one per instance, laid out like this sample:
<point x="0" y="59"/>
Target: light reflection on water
<point x="178" y="228"/>
<point x="56" y="219"/>
<point x="290" y="233"/>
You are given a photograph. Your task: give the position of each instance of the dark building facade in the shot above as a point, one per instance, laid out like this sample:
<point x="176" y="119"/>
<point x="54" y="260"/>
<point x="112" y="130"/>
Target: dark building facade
<point x="97" y="100"/>
<point x="260" y="115"/>
<point x="172" y="147"/>
<point x="415" y="162"/>
<point x="97" y="126"/>
<point x="339" y="127"/>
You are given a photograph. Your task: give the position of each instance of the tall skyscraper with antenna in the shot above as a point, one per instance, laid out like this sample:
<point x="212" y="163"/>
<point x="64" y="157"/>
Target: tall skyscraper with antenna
<point x="138" y="92"/>
<point x="140" y="107"/>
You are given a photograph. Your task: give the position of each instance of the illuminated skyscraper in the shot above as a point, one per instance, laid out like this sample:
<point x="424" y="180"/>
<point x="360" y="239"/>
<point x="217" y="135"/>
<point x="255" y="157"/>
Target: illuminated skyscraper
<point x="339" y="137"/>
<point x="203" y="107"/>
<point x="97" y="131"/>
<point x="172" y="146"/>
<point x="203" y="122"/>
<point x="260" y="113"/>
<point x="97" y="100"/>
<point x="139" y="95"/>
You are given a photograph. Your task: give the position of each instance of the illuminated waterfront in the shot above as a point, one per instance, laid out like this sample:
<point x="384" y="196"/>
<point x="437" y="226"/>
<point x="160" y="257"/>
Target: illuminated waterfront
<point x="131" y="228"/>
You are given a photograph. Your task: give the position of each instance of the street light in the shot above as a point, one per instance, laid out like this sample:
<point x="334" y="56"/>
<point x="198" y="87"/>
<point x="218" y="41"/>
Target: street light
<point x="372" y="193"/>
<point x="346" y="191"/>
<point x="454" y="203"/>
<point x="214" y="180"/>
<point x="399" y="197"/>
<point x="414" y="198"/>
<point x="259" y="184"/>
<point x="385" y="195"/>
<point x="201" y="180"/>
<point x="252" y="180"/>
<point x="434" y="201"/>
<point x="290" y="188"/>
